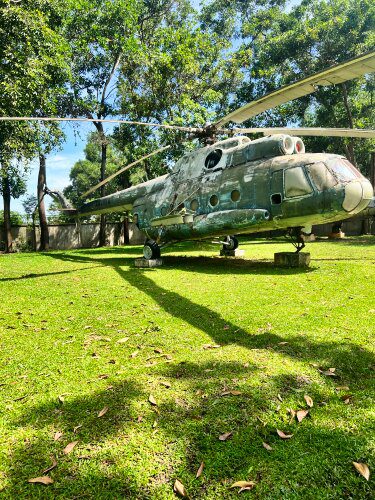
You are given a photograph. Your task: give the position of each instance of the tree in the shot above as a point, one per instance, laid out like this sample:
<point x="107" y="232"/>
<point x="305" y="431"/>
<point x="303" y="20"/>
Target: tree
<point x="86" y="173"/>
<point x="176" y="78"/>
<point x="99" y="32"/>
<point x="285" y="46"/>
<point x="30" y="204"/>
<point x="33" y="65"/>
<point x="15" y="218"/>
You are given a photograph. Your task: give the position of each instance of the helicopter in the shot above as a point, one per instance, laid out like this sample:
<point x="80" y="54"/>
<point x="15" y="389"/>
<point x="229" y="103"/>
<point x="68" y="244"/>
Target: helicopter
<point x="239" y="186"/>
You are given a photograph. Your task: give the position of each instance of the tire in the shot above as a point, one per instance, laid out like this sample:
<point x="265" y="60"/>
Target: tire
<point x="232" y="243"/>
<point x="151" y="250"/>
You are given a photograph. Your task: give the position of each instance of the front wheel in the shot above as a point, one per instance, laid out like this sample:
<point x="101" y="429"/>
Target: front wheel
<point x="151" y="250"/>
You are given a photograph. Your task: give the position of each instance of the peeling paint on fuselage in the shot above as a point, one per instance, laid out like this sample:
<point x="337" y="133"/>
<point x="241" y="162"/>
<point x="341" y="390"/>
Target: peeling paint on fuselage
<point x="233" y="197"/>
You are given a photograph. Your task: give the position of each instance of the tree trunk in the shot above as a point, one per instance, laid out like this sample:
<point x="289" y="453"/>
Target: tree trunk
<point x="44" y="236"/>
<point x="103" y="164"/>
<point x="126" y="229"/>
<point x="349" y="146"/>
<point x="7" y="223"/>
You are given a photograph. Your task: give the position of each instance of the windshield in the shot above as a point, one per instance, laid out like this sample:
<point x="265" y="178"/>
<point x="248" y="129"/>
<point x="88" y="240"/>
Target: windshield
<point x="296" y="183"/>
<point x="342" y="169"/>
<point x="321" y="177"/>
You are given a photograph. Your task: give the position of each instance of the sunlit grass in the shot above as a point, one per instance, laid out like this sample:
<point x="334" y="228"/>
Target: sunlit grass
<point x="61" y="316"/>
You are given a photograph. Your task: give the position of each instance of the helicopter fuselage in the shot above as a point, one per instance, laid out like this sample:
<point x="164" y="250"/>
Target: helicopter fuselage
<point x="227" y="189"/>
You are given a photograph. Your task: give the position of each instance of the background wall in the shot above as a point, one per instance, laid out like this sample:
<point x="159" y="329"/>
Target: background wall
<point x="69" y="236"/>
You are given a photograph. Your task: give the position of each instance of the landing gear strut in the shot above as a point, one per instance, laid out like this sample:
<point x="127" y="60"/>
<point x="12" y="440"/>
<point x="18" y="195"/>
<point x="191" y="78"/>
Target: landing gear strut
<point x="151" y="250"/>
<point x="296" y="238"/>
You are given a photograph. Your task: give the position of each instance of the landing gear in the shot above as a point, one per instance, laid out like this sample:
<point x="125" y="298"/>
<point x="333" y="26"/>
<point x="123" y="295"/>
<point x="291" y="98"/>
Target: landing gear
<point x="231" y="243"/>
<point x="296" y="238"/>
<point x="151" y="250"/>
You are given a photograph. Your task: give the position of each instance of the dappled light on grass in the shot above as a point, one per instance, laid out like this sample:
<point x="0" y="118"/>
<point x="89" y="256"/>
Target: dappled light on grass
<point x="212" y="350"/>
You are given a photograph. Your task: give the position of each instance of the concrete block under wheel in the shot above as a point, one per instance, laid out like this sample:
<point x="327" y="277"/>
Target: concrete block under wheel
<point x="292" y="259"/>
<point x="232" y="253"/>
<point x="148" y="262"/>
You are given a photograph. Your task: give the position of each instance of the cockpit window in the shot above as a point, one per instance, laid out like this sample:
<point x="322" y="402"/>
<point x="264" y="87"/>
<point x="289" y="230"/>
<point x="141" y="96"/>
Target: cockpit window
<point x="213" y="158"/>
<point x="342" y="169"/>
<point x="296" y="183"/>
<point x="320" y="176"/>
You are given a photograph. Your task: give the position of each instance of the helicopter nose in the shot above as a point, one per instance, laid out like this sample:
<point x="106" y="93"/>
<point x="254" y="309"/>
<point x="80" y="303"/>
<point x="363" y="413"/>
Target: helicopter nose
<point x="357" y="196"/>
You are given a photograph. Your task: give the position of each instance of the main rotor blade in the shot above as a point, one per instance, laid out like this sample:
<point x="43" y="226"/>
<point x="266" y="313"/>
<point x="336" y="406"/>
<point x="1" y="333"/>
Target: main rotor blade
<point x="99" y="120"/>
<point x="340" y="73"/>
<point x="306" y="131"/>
<point x="124" y="169"/>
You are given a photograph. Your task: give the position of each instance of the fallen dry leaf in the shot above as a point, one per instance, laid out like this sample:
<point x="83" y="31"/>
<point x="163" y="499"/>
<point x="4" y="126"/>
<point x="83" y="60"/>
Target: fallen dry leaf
<point x="342" y="388"/>
<point x="75" y="429"/>
<point x="158" y="350"/>
<point x="134" y="354"/>
<point x="301" y="414"/>
<point x="329" y="373"/>
<point x="103" y="376"/>
<point x="57" y="436"/>
<point x="246" y="365"/>
<point x="166" y="384"/>
<point x="309" y="401"/>
<point x="200" y="470"/>
<point x="279" y="398"/>
<point x="232" y="393"/>
<point x="152" y="400"/>
<point x="225" y="436"/>
<point x="362" y="469"/>
<point x="61" y="398"/>
<point x="123" y="340"/>
<point x="211" y="346"/>
<point x="103" y="411"/>
<point x="139" y="418"/>
<point x="52" y="466"/>
<point x="179" y="488"/>
<point x="283" y="435"/>
<point x="243" y="485"/>
<point x="68" y="448"/>
<point x="41" y="480"/>
<point x="267" y="446"/>
<point x="347" y="398"/>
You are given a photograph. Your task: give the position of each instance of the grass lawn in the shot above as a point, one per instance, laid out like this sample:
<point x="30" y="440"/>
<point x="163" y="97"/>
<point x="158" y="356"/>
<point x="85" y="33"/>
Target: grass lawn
<point x="82" y="331"/>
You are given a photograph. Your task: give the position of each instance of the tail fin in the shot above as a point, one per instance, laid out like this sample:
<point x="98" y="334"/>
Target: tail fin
<point x="66" y="206"/>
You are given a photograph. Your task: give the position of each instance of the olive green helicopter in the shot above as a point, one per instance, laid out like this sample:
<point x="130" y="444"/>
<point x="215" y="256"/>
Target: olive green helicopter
<point x="239" y="186"/>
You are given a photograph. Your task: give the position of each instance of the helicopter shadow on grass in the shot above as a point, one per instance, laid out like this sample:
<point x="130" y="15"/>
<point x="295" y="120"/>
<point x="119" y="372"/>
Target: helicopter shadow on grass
<point x="331" y="354"/>
<point x="187" y="427"/>
<point x="192" y="429"/>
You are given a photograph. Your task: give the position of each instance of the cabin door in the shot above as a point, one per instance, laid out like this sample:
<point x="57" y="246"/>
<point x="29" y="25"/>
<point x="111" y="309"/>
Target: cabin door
<point x="277" y="192"/>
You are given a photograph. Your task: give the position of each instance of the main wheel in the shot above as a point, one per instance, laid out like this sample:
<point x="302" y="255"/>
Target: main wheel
<point x="151" y="250"/>
<point x="231" y="244"/>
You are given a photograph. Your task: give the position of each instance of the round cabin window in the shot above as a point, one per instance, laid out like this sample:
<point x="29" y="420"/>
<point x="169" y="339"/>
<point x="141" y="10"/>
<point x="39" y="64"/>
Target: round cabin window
<point x="194" y="205"/>
<point x="235" y="195"/>
<point x="214" y="200"/>
<point x="213" y="158"/>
